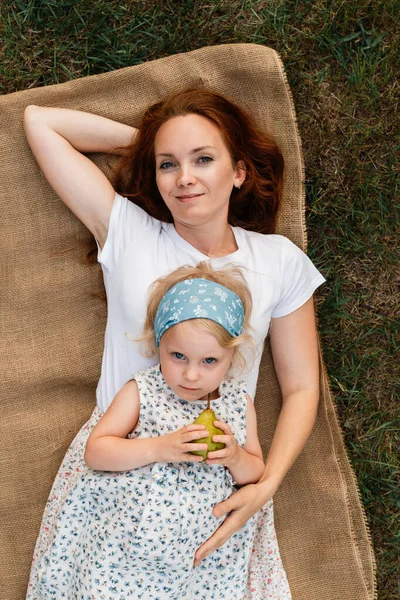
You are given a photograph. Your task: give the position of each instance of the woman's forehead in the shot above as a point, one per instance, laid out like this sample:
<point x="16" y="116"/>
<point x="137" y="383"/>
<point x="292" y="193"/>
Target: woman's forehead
<point x="190" y="133"/>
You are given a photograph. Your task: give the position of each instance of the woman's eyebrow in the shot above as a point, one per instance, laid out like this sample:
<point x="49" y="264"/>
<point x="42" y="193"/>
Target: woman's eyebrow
<point x="202" y="148"/>
<point x="169" y="155"/>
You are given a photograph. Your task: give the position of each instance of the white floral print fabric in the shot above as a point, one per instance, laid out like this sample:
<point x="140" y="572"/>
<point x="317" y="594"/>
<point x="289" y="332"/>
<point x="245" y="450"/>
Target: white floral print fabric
<point x="133" y="535"/>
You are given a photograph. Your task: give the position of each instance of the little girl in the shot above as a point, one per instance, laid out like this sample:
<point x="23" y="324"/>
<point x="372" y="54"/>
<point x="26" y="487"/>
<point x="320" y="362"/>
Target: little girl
<point x="131" y="526"/>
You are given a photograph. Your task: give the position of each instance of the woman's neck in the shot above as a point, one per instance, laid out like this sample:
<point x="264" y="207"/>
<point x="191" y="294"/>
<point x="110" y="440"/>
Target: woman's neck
<point x="212" y="242"/>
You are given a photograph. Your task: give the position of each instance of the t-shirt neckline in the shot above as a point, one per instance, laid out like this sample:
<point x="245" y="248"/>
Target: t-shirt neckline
<point x="192" y="251"/>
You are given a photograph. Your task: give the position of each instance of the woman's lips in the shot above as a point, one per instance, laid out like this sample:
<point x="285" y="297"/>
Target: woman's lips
<point x="187" y="197"/>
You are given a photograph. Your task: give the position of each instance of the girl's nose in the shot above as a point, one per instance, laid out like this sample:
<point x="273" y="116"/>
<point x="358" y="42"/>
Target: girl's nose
<point x="191" y="373"/>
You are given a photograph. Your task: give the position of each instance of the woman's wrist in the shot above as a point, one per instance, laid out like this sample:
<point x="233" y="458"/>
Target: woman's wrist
<point x="268" y="485"/>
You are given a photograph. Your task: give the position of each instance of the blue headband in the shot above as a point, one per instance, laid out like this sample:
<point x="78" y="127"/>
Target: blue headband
<point x="199" y="299"/>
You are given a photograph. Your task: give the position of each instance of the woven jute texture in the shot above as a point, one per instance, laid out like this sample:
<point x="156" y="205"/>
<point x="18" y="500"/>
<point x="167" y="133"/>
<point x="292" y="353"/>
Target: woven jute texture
<point x="53" y="324"/>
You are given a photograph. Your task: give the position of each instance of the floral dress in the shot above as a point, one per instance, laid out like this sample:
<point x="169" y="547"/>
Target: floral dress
<point x="133" y="535"/>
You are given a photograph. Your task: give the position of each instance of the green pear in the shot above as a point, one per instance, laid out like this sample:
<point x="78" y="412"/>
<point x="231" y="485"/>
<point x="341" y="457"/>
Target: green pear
<point x="207" y="418"/>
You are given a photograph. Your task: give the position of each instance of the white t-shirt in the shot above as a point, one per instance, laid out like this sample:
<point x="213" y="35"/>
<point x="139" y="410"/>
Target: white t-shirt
<point x="139" y="249"/>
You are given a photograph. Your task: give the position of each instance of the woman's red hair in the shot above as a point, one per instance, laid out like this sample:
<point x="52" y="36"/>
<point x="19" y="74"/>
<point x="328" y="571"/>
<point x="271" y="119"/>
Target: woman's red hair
<point x="254" y="206"/>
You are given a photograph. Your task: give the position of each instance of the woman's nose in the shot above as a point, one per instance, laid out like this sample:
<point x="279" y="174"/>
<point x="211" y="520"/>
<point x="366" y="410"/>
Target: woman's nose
<point x="186" y="176"/>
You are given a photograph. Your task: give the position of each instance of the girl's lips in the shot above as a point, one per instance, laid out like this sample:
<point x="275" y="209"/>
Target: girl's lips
<point x="189" y="389"/>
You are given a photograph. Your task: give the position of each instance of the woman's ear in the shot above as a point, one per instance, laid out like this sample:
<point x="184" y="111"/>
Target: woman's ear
<point x="240" y="173"/>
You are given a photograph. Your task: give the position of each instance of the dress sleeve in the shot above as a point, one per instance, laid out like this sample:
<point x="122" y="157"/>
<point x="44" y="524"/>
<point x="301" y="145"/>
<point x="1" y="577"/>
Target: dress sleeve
<point x="299" y="279"/>
<point x="128" y="224"/>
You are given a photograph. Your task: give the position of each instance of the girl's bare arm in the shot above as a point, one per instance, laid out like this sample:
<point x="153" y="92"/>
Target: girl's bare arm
<point x="109" y="449"/>
<point x="58" y="137"/>
<point x="245" y="464"/>
<point x="251" y="466"/>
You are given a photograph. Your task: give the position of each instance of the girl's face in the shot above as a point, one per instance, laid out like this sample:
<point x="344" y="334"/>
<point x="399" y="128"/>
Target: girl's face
<point x="194" y="171"/>
<point x="192" y="362"/>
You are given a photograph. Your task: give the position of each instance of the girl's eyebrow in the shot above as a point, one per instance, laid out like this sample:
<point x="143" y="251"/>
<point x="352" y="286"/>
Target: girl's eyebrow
<point x="169" y="155"/>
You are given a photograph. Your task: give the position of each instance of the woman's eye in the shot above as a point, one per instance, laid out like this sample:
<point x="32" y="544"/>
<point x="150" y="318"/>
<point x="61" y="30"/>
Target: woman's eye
<point x="166" y="165"/>
<point x="205" y="159"/>
<point x="210" y="360"/>
<point x="178" y="355"/>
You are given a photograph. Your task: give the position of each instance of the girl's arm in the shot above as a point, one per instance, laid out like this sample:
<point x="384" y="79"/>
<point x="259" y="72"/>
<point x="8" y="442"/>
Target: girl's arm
<point x="108" y="448"/>
<point x="245" y="464"/>
<point x="57" y="137"/>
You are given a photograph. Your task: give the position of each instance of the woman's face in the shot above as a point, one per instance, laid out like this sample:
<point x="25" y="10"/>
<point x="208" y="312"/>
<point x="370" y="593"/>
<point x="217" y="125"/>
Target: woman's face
<point x="194" y="171"/>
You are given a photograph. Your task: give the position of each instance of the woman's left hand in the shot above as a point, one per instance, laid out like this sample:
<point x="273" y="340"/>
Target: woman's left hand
<point x="242" y="505"/>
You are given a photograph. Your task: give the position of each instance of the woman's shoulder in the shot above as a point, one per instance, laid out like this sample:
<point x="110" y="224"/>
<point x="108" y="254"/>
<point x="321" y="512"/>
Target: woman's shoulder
<point x="272" y="240"/>
<point x="128" y="210"/>
<point x="277" y="248"/>
<point x="129" y="226"/>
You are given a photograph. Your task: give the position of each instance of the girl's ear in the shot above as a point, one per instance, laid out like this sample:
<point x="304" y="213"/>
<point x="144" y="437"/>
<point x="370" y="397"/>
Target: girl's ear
<point x="240" y="173"/>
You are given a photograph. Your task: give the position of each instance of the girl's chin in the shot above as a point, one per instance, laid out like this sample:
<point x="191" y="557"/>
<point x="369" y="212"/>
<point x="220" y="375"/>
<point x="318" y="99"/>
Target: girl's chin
<point x="189" y="394"/>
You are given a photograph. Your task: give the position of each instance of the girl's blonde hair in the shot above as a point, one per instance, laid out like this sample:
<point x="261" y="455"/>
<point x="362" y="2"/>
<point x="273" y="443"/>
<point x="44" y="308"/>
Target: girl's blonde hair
<point x="230" y="277"/>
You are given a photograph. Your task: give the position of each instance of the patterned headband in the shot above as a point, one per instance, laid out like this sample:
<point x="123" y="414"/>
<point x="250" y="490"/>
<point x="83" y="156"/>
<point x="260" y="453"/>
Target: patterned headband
<point x="199" y="299"/>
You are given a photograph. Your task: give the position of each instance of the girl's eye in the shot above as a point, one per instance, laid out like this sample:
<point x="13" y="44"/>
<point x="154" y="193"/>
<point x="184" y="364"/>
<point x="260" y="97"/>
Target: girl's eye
<point x="205" y="159"/>
<point x="178" y="355"/>
<point x="210" y="360"/>
<point x="166" y="165"/>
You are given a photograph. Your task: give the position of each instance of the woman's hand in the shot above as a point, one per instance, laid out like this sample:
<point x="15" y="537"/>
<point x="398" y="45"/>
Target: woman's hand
<point x="229" y="455"/>
<point x="242" y="505"/>
<point x="176" y="446"/>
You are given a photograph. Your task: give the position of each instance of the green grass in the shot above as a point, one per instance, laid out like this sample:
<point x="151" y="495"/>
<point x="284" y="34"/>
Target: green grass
<point x="342" y="62"/>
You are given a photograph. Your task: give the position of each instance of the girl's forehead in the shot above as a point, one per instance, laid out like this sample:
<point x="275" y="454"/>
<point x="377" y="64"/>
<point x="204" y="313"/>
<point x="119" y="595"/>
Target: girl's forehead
<point x="191" y="338"/>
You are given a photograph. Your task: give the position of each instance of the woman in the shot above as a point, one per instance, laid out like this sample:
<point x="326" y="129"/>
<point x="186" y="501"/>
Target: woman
<point x="198" y="166"/>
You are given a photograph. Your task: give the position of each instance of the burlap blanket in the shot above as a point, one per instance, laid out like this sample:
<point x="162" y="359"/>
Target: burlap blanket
<point x="53" y="324"/>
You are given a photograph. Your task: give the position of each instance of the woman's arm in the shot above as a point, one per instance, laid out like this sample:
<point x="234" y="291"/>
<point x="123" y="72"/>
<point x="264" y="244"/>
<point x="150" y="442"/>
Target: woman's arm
<point x="57" y="137"/>
<point x="245" y="464"/>
<point x="295" y="353"/>
<point x="108" y="448"/>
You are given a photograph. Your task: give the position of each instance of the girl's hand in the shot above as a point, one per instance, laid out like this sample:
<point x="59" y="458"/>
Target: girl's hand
<point x="229" y="455"/>
<point x="176" y="446"/>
